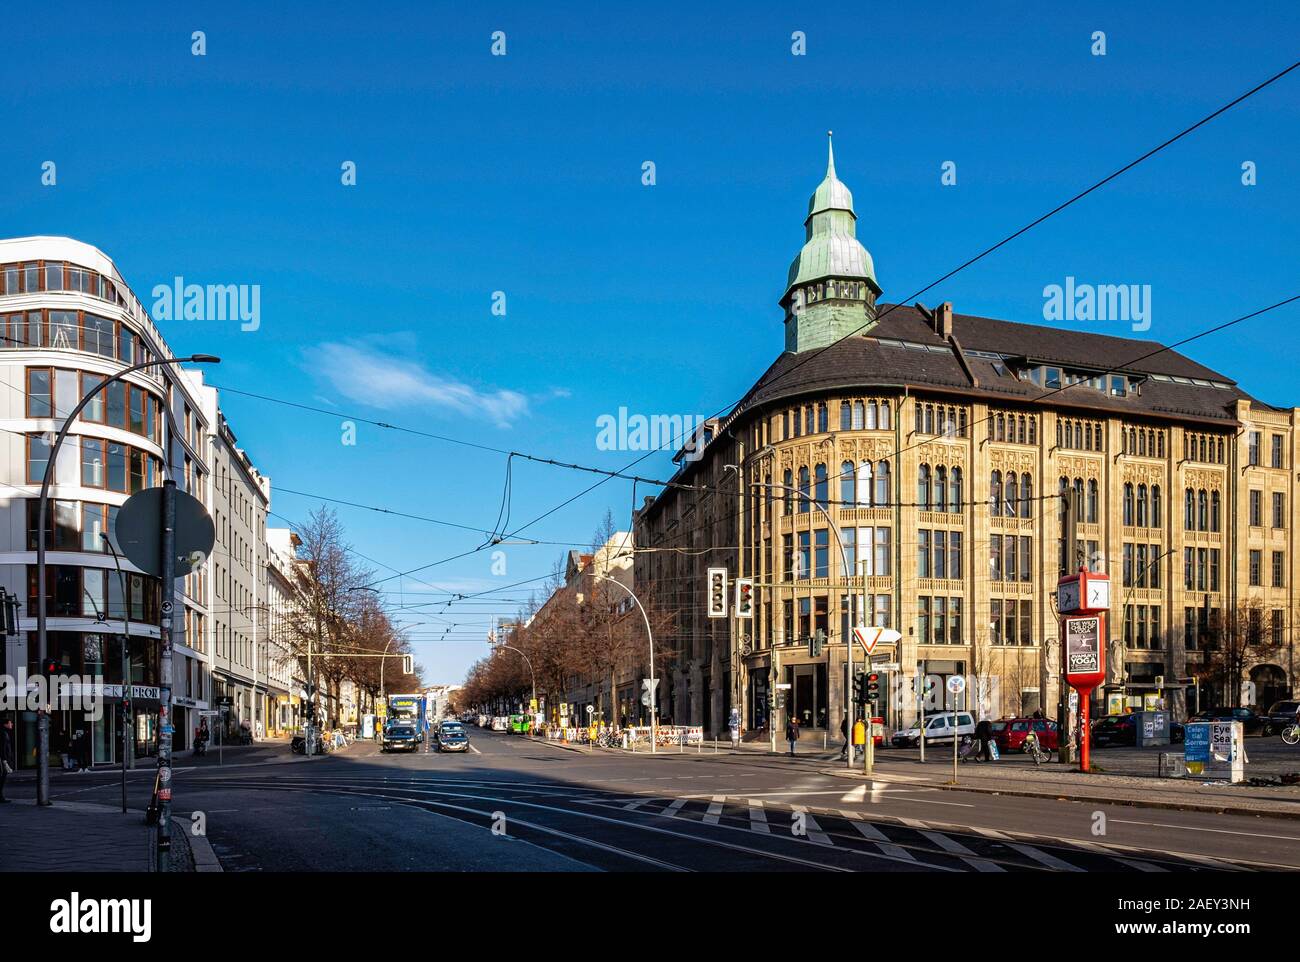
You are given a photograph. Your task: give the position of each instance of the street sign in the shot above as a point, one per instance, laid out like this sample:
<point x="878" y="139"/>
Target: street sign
<point x="532" y="704"/>
<point x="225" y="701"/>
<point x="956" y="684"/>
<point x="649" y="684"/>
<point x="784" y="685"/>
<point x="591" y="709"/>
<point x="884" y="665"/>
<point x="870" y="636"/>
<point x="138" y="532"/>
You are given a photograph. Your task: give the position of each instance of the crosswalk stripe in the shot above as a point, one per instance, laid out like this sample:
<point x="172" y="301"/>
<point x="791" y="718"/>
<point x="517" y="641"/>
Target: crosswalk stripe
<point x="633" y="806"/>
<point x="867" y="830"/>
<point x="815" y="833"/>
<point x="1045" y="858"/>
<point x="1141" y="866"/>
<point x="715" y="809"/>
<point x="758" y="817"/>
<point x="967" y="856"/>
<point x="675" y="806"/>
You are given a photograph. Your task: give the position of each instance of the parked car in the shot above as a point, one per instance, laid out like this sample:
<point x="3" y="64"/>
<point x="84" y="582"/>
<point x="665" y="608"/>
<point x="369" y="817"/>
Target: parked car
<point x="1253" y="721"/>
<point x="500" y="723"/>
<point x="1009" y="733"/>
<point x="400" y="734"/>
<point x="1114" y="730"/>
<point x="938" y="728"/>
<point x="1283" y="713"/>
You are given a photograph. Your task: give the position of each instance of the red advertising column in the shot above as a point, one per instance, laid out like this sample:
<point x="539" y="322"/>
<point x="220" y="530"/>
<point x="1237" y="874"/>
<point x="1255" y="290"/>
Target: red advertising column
<point x="1085" y="668"/>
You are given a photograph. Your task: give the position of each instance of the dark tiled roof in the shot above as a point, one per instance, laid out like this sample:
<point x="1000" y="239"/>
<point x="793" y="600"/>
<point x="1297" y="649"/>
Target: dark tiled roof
<point x="862" y="361"/>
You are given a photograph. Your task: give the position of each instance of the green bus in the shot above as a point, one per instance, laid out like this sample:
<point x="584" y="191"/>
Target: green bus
<point x="520" y="724"/>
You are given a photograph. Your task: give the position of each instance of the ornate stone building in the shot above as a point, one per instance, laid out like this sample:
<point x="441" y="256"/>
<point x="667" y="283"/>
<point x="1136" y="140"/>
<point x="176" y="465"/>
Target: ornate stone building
<point x="937" y="446"/>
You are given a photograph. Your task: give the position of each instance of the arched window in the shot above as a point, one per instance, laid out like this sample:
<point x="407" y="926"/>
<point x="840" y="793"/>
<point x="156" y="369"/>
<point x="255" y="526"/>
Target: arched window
<point x="1189" y="510"/>
<point x="941" y="488"/>
<point x="1128" y="504"/>
<point x="995" y="493"/>
<point x="920" y="418"/>
<point x="1088" y="435"/>
<point x="1092" y="500"/>
<point x="1214" y="511"/>
<point x="1202" y="511"/>
<point x="1001" y="428"/>
<point x="822" y="419"/>
<point x="865" y="415"/>
<point x="954" y="490"/>
<point x="864" y="484"/>
<point x="787" y="503"/>
<point x="1033" y="429"/>
<point x="929" y="419"/>
<point x="961" y="422"/>
<point x="803" y="490"/>
<point x="1012" y="495"/>
<point x="1026" y="495"/>
<point x="883" y="495"/>
<point x="1020" y="429"/>
<point x="822" y="493"/>
<point x="1142" y="506"/>
<point x="1142" y="443"/>
<point x="848" y="484"/>
<point x="810" y="426"/>
<point x="846" y="411"/>
<point x="923" y="487"/>
<point x="1155" y="505"/>
<point x="883" y="416"/>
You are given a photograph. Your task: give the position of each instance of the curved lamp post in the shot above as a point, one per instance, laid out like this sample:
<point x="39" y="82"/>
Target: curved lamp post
<point x="42" y="648"/>
<point x="654" y="693"/>
<point x="528" y="662"/>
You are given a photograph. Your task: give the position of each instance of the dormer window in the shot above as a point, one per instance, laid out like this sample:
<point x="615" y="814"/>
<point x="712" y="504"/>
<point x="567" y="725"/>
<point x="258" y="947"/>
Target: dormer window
<point x="1118" y="385"/>
<point x="1052" y="377"/>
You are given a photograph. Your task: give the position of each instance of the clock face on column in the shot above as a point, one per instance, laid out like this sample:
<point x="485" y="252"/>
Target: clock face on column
<point x="1098" y="594"/>
<point x="1067" y="596"/>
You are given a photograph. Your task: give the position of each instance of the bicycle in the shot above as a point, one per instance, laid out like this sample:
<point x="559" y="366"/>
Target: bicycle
<point x="1291" y="734"/>
<point x="1032" y="747"/>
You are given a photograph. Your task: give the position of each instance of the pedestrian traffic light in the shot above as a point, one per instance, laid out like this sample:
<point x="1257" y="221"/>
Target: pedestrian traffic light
<point x="744" y="597"/>
<point x="50" y="667"/>
<point x="860" y="685"/>
<point x="10" y="612"/>
<point x="717" y="589"/>
<point x="873" y="687"/>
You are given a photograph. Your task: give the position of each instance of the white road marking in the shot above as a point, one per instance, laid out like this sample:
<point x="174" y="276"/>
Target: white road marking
<point x="1216" y="831"/>
<point x="1140" y="865"/>
<point x="1044" y="858"/>
<point x="967" y="856"/>
<point x="758" y="818"/>
<point x="715" y="810"/>
<point x="633" y="806"/>
<point x="675" y="806"/>
<point x="869" y="831"/>
<point x="815" y="833"/>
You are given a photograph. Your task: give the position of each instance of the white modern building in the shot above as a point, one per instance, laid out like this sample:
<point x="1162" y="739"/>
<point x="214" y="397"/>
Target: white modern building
<point x="68" y="320"/>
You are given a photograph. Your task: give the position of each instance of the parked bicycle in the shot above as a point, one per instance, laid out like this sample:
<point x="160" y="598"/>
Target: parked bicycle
<point x="1036" y="750"/>
<point x="1291" y="734"/>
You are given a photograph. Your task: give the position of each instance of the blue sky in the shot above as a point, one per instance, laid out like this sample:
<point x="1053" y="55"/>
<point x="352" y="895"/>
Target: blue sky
<point x="522" y="174"/>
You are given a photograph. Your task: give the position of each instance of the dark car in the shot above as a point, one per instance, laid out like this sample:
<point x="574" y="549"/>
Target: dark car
<point x="453" y="740"/>
<point x="401" y="735"/>
<point x="1253" y="721"/>
<point x="1282" y="714"/>
<point x="1009" y="733"/>
<point x="1114" y="730"/>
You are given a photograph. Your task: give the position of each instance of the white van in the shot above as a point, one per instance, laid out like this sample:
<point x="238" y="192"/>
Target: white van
<point x="938" y="728"/>
<point x="500" y="723"/>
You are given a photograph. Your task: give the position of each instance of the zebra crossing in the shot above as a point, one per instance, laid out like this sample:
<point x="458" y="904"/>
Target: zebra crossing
<point x="912" y="841"/>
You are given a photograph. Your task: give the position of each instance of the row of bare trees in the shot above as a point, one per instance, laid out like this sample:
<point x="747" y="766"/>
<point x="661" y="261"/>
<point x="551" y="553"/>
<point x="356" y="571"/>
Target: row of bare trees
<point x="337" y="621"/>
<point x="584" y="631"/>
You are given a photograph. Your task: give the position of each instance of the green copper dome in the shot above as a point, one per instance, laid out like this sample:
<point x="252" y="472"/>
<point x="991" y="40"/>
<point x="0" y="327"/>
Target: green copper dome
<point x="832" y="248"/>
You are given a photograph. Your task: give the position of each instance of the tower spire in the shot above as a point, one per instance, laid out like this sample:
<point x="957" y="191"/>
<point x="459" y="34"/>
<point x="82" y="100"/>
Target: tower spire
<point x="830" y="154"/>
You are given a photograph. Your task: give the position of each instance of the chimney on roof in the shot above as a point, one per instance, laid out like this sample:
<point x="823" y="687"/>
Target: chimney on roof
<point x="943" y="320"/>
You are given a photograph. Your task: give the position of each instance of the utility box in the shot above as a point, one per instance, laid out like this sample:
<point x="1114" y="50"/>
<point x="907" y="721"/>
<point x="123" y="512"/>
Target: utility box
<point x="1152" y="728"/>
<point x="1215" y="749"/>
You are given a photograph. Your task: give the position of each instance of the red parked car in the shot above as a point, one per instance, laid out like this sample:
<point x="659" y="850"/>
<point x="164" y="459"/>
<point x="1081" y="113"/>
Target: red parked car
<point x="1009" y="733"/>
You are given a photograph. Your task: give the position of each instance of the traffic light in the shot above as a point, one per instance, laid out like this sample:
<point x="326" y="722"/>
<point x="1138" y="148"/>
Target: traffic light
<point x="873" y="687"/>
<point x="408" y="667"/>
<point x="860" y="684"/>
<point x="816" y="642"/>
<point x="10" y="613"/>
<point x="744" y="597"/>
<point x="717" y="593"/>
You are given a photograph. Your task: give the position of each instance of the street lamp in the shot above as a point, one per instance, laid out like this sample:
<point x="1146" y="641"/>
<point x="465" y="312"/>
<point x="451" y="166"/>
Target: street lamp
<point x="654" y="693"/>
<point x="42" y="511"/>
<point x="528" y="662"/>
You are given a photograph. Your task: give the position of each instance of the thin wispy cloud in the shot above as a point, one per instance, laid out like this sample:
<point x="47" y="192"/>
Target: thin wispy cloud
<point x="390" y="381"/>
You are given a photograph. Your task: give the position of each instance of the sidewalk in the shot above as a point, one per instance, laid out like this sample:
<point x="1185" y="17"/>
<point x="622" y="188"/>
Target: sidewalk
<point x="84" y="837"/>
<point x="1058" y="781"/>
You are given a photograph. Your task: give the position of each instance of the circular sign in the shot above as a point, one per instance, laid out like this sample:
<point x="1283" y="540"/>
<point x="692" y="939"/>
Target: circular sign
<point x="956" y="684"/>
<point x="138" y="530"/>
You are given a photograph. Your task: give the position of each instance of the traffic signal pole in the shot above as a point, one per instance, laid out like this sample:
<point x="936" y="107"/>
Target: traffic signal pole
<point x="165" y="727"/>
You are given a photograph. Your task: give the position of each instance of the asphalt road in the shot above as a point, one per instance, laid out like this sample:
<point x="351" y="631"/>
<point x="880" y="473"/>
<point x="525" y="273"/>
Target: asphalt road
<point x="515" y="804"/>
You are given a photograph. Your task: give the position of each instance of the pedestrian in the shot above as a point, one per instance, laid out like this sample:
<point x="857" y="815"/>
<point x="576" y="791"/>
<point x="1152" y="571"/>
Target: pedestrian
<point x="792" y="732"/>
<point x="984" y="734"/>
<point x="7" y="757"/>
<point x="83" y="750"/>
<point x="1038" y="713"/>
<point x="844" y="733"/>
